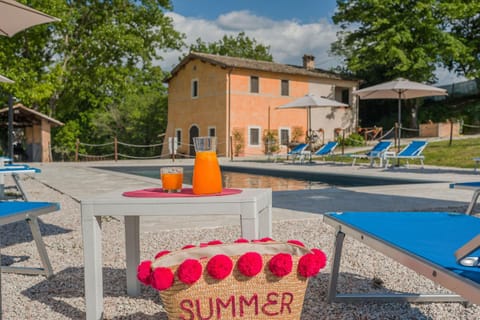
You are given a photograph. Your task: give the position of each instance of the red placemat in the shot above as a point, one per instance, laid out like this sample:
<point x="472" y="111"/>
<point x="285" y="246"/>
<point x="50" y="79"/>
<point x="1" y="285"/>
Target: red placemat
<point x="186" y="192"/>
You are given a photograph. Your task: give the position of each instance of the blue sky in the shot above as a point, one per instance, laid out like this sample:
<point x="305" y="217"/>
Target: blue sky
<point x="305" y="11"/>
<point x="291" y="28"/>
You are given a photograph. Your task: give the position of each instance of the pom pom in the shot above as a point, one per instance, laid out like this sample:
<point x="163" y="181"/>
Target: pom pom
<point x="321" y="256"/>
<point x="189" y="271"/>
<point x="162" y="278"/>
<point x="144" y="272"/>
<point x="308" y="265"/>
<point x="214" y="242"/>
<point x="219" y="266"/>
<point x="281" y="264"/>
<point x="250" y="264"/>
<point x="241" y="240"/>
<point x="298" y="243"/>
<point x="266" y="239"/>
<point x="161" y="254"/>
<point x="188" y="246"/>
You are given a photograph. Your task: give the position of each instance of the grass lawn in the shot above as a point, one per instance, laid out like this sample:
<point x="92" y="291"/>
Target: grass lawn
<point x="439" y="153"/>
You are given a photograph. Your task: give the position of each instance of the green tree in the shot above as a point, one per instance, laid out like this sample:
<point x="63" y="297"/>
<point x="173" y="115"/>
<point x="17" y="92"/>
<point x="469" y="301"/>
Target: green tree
<point x="98" y="58"/>
<point x="240" y="46"/>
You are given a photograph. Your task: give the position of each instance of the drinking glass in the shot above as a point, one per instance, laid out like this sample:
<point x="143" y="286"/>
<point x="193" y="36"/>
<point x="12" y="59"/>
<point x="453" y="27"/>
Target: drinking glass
<point x="207" y="178"/>
<point x="172" y="179"/>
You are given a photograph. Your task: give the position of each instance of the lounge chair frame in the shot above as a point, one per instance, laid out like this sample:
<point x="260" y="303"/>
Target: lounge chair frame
<point x="324" y="151"/>
<point x="377" y="152"/>
<point x="446" y="278"/>
<point x="416" y="155"/>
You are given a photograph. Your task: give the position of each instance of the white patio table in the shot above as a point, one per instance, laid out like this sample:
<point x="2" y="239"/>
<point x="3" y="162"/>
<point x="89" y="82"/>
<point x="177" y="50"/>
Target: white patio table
<point x="253" y="206"/>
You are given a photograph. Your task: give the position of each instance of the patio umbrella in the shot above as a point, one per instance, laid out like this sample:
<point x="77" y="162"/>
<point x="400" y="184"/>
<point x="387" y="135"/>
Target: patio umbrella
<point x="400" y="89"/>
<point x="5" y="79"/>
<point x="15" y="17"/>
<point x="308" y="102"/>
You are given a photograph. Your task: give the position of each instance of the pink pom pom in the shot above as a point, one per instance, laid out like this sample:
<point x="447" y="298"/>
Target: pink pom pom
<point x="250" y="264"/>
<point x="162" y="278"/>
<point x="308" y="265"/>
<point x="161" y="254"/>
<point x="298" y="243"/>
<point x="219" y="266"/>
<point x="188" y="246"/>
<point x="321" y="256"/>
<point x="189" y="271"/>
<point x="266" y="239"/>
<point x="281" y="264"/>
<point x="144" y="272"/>
<point x="214" y="242"/>
<point x="241" y="240"/>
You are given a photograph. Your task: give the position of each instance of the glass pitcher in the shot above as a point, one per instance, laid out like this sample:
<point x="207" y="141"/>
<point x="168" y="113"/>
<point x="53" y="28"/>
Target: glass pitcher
<point x="207" y="178"/>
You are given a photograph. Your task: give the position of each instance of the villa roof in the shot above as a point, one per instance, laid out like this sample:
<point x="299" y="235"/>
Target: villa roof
<point x="242" y="63"/>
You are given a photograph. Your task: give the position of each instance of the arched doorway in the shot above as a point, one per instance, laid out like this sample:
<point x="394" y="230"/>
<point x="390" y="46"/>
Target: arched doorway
<point x="193" y="134"/>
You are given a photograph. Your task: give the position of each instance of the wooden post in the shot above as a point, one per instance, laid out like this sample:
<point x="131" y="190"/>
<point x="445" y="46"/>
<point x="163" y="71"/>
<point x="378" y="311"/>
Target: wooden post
<point x="115" y="148"/>
<point x="451" y="132"/>
<point x="343" y="144"/>
<point x="173" y="149"/>
<point x="77" y="143"/>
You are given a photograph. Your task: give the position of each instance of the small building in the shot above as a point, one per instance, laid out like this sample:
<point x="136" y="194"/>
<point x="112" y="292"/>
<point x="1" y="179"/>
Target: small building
<point x="235" y="99"/>
<point x="36" y="132"/>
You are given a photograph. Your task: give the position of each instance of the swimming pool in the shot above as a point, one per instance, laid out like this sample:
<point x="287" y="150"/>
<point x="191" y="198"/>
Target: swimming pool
<point x="249" y="177"/>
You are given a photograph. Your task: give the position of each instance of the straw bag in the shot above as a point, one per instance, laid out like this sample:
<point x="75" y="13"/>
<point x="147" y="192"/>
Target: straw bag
<point x="254" y="280"/>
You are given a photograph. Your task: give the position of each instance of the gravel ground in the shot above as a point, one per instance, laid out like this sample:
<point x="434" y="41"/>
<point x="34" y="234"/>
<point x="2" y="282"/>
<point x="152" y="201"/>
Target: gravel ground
<point x="61" y="297"/>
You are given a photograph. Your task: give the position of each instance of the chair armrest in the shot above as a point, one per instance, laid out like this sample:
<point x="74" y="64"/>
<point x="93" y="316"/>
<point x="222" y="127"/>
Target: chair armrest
<point x="461" y="255"/>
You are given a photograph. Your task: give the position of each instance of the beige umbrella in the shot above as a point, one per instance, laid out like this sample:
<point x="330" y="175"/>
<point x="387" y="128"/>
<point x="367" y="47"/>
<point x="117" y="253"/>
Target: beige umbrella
<point x="399" y="89"/>
<point x="310" y="101"/>
<point x="15" y="17"/>
<point x="5" y="79"/>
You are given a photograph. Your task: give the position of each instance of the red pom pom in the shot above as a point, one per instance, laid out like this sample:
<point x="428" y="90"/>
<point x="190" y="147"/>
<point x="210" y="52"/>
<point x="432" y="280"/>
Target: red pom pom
<point x="250" y="264"/>
<point x="189" y="271"/>
<point x="298" y="243"/>
<point x="266" y="239"/>
<point x="241" y="240"/>
<point x="321" y="256"/>
<point x="214" y="242"/>
<point x="219" y="266"/>
<point x="162" y="278"/>
<point x="144" y="272"/>
<point x="161" y="253"/>
<point x="308" y="265"/>
<point x="188" y="246"/>
<point x="281" y="264"/>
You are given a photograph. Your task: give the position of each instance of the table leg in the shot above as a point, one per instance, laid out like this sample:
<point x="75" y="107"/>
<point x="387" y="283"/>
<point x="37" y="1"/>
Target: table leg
<point x="265" y="228"/>
<point x="92" y="253"/>
<point x="132" y="247"/>
<point x="249" y="221"/>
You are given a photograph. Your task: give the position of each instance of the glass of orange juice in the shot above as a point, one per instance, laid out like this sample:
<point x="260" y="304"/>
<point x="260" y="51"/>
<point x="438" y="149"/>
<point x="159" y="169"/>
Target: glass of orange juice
<point x="172" y="179"/>
<point x="207" y="177"/>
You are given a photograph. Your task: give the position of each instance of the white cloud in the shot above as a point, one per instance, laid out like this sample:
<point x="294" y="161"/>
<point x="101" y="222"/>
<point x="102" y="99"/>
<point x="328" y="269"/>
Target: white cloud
<point x="288" y="40"/>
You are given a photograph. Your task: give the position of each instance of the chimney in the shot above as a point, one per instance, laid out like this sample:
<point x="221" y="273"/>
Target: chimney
<point x="308" y="61"/>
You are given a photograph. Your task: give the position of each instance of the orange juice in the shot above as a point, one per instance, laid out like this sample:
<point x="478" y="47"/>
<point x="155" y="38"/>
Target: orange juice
<point x="207" y="178"/>
<point x="172" y="182"/>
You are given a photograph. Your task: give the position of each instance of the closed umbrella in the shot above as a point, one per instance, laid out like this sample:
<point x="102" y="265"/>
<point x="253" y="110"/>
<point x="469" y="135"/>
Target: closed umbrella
<point x="15" y="17"/>
<point x="400" y="89"/>
<point x="310" y="101"/>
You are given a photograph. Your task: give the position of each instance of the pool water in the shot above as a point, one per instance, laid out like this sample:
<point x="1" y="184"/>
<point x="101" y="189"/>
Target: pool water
<point x="231" y="179"/>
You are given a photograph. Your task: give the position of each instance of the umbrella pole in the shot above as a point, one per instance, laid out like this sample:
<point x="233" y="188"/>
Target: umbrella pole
<point x="309" y="133"/>
<point x="10" y="127"/>
<point x="399" y="124"/>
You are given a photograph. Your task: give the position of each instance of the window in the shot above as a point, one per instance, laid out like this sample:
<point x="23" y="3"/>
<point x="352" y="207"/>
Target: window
<point x="345" y="96"/>
<point x="254" y="136"/>
<point x="178" y="134"/>
<point x="212" y="132"/>
<point x="194" y="88"/>
<point x="284" y="136"/>
<point x="285" y="87"/>
<point x="254" y="84"/>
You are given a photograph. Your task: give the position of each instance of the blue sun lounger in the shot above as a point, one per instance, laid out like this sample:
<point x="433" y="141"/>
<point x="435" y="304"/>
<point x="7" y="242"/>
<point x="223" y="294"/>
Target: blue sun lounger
<point x="15" y="211"/>
<point x="377" y="152"/>
<point x="432" y="244"/>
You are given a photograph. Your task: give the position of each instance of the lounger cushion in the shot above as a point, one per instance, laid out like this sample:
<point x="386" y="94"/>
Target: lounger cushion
<point x="433" y="236"/>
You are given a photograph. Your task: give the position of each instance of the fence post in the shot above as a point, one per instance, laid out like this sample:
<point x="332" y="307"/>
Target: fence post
<point x="77" y="143"/>
<point x="451" y="132"/>
<point x="173" y="149"/>
<point x="343" y="144"/>
<point x="115" y="148"/>
<point x="231" y="148"/>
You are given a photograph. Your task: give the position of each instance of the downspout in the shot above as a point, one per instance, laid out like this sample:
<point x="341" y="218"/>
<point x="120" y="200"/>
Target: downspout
<point x="229" y="101"/>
